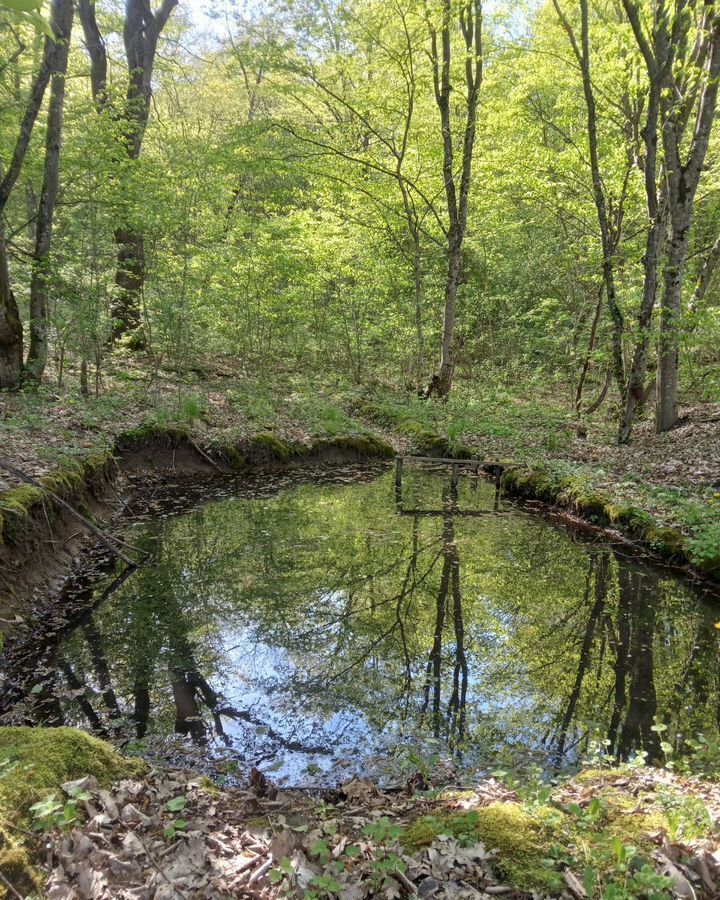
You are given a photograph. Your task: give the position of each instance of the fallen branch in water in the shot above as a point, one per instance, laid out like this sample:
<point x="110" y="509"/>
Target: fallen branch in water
<point x="112" y="544"/>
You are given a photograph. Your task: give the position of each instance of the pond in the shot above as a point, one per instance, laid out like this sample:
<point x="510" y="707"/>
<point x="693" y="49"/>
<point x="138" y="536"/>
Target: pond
<point x="320" y="627"/>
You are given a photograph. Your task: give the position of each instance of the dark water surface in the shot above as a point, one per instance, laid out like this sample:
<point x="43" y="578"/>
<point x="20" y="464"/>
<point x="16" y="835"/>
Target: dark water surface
<point x="324" y="630"/>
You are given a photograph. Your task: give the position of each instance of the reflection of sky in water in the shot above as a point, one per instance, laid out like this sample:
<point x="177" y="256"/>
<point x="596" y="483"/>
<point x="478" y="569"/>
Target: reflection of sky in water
<point x="303" y="633"/>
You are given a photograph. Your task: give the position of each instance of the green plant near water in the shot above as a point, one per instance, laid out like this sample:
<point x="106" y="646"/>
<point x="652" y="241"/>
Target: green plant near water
<point x="55" y="812"/>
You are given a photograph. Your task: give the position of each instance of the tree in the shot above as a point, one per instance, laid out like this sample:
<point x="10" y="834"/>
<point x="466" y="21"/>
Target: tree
<point x="610" y="226"/>
<point x="696" y="86"/>
<point x="38" y="350"/>
<point x="681" y="79"/>
<point x="141" y="32"/>
<point x="53" y="60"/>
<point x="457" y="186"/>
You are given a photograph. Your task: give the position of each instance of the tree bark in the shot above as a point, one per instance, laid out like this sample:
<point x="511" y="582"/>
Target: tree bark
<point x="11" y="333"/>
<point x="38" y="350"/>
<point x="683" y="180"/>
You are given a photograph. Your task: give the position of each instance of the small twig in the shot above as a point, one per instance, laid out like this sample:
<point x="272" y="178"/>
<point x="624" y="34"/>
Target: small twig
<point x="249" y="863"/>
<point x="258" y="873"/>
<point x="405" y="882"/>
<point x="11" y="887"/>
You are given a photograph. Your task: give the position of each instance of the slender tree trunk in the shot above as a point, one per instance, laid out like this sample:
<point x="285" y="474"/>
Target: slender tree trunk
<point x="670" y="309"/>
<point x="11" y="333"/>
<point x="418" y="278"/>
<point x="457" y="192"/>
<point x="38" y="351"/>
<point x="588" y="355"/>
<point x="447" y="356"/>
<point x="610" y="237"/>
<point x="638" y="369"/>
<point x="705" y="277"/>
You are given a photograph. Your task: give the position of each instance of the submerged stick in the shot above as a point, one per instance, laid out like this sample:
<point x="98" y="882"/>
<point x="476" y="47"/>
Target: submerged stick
<point x="105" y="539"/>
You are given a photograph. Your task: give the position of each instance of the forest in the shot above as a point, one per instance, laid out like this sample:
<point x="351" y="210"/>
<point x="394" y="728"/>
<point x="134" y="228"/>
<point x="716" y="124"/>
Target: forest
<point x="250" y="255"/>
<point x="406" y="192"/>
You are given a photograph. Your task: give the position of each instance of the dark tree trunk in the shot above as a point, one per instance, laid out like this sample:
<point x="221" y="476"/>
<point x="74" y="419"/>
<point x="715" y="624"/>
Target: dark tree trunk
<point x="38" y="350"/>
<point x="11" y="333"/>
<point x="130" y="282"/>
<point x="141" y="31"/>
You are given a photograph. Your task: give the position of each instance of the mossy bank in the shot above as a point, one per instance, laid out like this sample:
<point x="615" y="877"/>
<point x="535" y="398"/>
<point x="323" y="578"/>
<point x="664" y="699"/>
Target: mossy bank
<point x="577" y="495"/>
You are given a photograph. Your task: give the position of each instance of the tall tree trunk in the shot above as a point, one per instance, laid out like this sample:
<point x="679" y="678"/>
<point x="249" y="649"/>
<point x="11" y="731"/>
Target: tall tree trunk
<point x="456" y="193"/>
<point x="447" y="355"/>
<point x="683" y="179"/>
<point x="11" y="333"/>
<point x="418" y="279"/>
<point x="129" y="280"/>
<point x="38" y="351"/>
<point x="638" y="369"/>
<point x="141" y="31"/>
<point x="670" y="309"/>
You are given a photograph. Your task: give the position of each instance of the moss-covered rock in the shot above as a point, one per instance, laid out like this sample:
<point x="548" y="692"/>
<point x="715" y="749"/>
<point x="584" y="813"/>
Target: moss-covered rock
<point x="15" y="506"/>
<point x="520" y="839"/>
<point x="47" y="757"/>
<point x="235" y="457"/>
<point x="630" y="519"/>
<point x="39" y="761"/>
<point x="533" y="484"/>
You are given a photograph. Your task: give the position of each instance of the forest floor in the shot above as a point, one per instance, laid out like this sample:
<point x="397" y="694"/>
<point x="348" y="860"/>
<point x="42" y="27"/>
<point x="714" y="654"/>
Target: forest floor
<point x="621" y="833"/>
<point x="675" y="476"/>
<point x="99" y="826"/>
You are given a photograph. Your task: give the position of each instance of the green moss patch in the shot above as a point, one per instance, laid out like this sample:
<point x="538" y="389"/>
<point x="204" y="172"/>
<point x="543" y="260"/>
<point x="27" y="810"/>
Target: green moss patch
<point x="668" y="542"/>
<point x="17" y="868"/>
<point x="364" y="444"/>
<point x="520" y="839"/>
<point x="36" y="762"/>
<point x="45" y="758"/>
<point x="274" y="445"/>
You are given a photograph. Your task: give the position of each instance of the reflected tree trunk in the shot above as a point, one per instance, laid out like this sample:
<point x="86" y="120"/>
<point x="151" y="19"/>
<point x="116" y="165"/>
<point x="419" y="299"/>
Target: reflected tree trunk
<point x="601" y="581"/>
<point x="637" y="733"/>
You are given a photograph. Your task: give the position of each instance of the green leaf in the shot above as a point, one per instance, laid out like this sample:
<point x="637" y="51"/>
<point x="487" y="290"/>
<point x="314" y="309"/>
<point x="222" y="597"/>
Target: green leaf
<point x="176" y="804"/>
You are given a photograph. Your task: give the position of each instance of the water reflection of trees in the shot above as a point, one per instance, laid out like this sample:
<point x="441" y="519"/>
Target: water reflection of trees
<point x="484" y="629"/>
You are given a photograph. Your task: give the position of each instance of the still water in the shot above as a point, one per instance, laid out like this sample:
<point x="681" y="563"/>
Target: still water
<point x="326" y="627"/>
